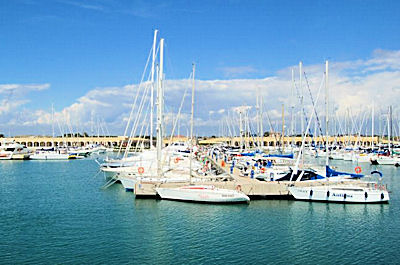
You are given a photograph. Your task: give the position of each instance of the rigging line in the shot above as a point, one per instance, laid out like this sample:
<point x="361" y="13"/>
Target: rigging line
<point x="312" y="101"/>
<point x="269" y="123"/>
<point x="305" y="116"/>
<point x="137" y="119"/>
<point x="252" y="132"/>
<point x="141" y="134"/>
<point x="302" y="109"/>
<point x="135" y="100"/>
<point x="178" y="115"/>
<point x="295" y="170"/>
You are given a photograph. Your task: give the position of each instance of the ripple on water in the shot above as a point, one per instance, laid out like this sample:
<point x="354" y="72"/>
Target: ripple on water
<point x="56" y="213"/>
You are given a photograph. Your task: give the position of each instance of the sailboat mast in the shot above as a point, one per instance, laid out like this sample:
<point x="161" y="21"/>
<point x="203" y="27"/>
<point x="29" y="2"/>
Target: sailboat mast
<point x="390" y="129"/>
<point x="160" y="109"/>
<point x="261" y="121"/>
<point x="283" y="127"/>
<point x="292" y="110"/>
<point x="152" y="88"/>
<point x="301" y="107"/>
<point x="301" y="97"/>
<point x="52" y="120"/>
<point x="372" y="124"/>
<point x="326" y="113"/>
<point x="241" y="130"/>
<point x="191" y="125"/>
<point x="258" y="116"/>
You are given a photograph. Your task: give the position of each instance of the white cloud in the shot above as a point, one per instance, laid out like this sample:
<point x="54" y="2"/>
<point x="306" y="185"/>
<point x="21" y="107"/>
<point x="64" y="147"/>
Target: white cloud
<point x="22" y="88"/>
<point x="352" y="84"/>
<point x="238" y="70"/>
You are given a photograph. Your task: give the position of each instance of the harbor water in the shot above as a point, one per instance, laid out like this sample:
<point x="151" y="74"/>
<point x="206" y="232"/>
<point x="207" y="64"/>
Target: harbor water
<point x="56" y="213"/>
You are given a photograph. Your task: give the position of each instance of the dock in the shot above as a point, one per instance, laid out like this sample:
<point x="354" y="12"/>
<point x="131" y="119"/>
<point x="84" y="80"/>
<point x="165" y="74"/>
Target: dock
<point x="251" y="187"/>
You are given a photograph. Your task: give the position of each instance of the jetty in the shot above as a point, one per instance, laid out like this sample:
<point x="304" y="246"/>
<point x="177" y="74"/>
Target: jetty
<point x="253" y="188"/>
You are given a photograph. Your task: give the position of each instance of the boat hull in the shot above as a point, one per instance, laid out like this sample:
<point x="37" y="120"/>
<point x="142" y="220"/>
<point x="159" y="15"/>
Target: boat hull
<point x="201" y="194"/>
<point x="340" y="194"/>
<point x="49" y="156"/>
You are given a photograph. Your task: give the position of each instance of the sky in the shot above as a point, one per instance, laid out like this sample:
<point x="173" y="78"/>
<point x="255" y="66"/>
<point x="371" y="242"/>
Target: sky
<point x="87" y="57"/>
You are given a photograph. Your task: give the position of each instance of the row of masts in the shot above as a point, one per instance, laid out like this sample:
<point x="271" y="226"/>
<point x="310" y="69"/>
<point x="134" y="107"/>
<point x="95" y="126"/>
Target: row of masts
<point x="244" y="120"/>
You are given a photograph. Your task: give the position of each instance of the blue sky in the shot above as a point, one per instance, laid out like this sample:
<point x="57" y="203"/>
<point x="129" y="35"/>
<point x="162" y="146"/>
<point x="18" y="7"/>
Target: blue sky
<point x="77" y="46"/>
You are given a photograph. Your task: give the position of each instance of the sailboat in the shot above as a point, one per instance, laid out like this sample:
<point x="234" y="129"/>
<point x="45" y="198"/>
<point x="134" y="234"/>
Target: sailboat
<point x="200" y="193"/>
<point x="354" y="193"/>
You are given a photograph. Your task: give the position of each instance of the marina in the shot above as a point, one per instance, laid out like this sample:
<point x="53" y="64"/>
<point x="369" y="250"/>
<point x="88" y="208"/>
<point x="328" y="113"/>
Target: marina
<point x="213" y="132"/>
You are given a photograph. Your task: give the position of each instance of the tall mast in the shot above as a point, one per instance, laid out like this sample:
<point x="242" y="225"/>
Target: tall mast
<point x="283" y="127"/>
<point x="326" y="113"/>
<point x="160" y="109"/>
<point x="241" y="129"/>
<point x="372" y="124"/>
<point x="258" y="116"/>
<point x="52" y="119"/>
<point x="152" y="88"/>
<point x="191" y="125"/>
<point x="390" y="129"/>
<point x="301" y="107"/>
<point x="301" y="97"/>
<point x="292" y="110"/>
<point x="261" y="121"/>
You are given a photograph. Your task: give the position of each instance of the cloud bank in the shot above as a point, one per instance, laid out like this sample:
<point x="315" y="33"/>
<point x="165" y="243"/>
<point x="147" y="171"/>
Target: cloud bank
<point x="355" y="85"/>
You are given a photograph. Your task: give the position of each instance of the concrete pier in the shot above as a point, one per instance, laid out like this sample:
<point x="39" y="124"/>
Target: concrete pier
<point x="251" y="187"/>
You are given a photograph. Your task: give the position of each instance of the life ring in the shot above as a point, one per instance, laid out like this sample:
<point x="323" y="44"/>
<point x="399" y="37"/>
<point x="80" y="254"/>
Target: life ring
<point x="239" y="188"/>
<point x="140" y="170"/>
<point x="357" y="169"/>
<point x="176" y="160"/>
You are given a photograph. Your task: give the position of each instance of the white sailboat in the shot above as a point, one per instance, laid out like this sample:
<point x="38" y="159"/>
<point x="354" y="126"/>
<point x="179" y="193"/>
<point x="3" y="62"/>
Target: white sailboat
<point x="353" y="193"/>
<point x="200" y="193"/>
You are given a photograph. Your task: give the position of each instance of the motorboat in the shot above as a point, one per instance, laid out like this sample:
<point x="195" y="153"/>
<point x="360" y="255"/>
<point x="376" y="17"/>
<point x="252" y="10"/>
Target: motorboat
<point x="50" y="154"/>
<point x="15" y="151"/>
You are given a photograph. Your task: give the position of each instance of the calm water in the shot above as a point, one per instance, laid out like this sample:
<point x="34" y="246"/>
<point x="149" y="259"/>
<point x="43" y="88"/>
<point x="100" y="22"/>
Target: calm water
<point x="55" y="212"/>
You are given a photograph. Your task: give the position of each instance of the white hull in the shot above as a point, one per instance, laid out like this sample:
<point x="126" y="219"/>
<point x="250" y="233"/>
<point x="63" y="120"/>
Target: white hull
<point x="363" y="158"/>
<point x="347" y="156"/>
<point x="336" y="156"/>
<point x="128" y="183"/>
<point x="49" y="156"/>
<point x="343" y="194"/>
<point x="202" y="194"/>
<point x="387" y="160"/>
<point x="20" y="156"/>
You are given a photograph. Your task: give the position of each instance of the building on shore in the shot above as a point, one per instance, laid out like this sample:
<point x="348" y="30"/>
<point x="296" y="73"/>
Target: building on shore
<point x="115" y="141"/>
